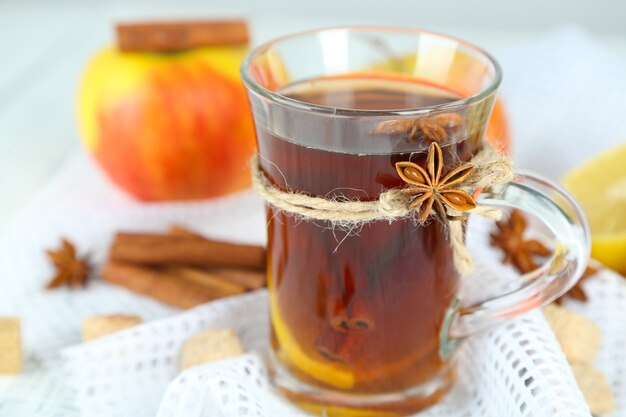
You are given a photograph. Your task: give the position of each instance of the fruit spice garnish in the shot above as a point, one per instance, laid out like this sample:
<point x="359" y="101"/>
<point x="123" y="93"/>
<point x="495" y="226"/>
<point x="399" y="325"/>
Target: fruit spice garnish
<point x="522" y="253"/>
<point x="431" y="129"/>
<point x="430" y="190"/>
<point x="519" y="252"/>
<point x="71" y="270"/>
<point x="577" y="292"/>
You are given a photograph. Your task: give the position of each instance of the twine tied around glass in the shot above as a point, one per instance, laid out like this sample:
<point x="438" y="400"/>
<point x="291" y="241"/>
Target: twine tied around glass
<point x="487" y="168"/>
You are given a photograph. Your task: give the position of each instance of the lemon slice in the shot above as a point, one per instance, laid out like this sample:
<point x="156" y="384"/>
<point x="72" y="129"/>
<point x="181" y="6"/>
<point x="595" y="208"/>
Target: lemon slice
<point x="600" y="187"/>
<point x="292" y="353"/>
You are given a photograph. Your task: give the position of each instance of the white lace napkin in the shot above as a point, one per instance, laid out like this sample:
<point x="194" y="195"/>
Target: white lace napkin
<point x="517" y="369"/>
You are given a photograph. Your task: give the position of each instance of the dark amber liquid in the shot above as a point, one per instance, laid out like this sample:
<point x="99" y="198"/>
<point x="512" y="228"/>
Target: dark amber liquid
<point x="358" y="310"/>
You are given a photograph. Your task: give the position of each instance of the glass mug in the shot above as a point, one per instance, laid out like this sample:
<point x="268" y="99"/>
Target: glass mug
<point x="365" y="319"/>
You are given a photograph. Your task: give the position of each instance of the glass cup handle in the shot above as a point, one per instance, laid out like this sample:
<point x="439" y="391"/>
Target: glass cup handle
<point x="562" y="215"/>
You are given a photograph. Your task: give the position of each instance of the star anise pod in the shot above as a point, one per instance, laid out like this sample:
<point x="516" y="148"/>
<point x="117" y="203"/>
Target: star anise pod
<point x="577" y="292"/>
<point x="517" y="251"/>
<point x="449" y="121"/>
<point x="70" y="269"/>
<point x="432" y="129"/>
<point x="431" y="191"/>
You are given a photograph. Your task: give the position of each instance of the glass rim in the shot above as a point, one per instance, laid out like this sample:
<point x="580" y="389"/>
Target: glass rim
<point x="449" y="106"/>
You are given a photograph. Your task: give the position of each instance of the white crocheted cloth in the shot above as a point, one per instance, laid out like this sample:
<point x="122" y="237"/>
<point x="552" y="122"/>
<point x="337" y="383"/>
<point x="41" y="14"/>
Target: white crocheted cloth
<point x="517" y="369"/>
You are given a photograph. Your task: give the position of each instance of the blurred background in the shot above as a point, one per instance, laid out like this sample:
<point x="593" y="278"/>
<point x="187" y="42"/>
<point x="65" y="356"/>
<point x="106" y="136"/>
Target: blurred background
<point x="46" y="44"/>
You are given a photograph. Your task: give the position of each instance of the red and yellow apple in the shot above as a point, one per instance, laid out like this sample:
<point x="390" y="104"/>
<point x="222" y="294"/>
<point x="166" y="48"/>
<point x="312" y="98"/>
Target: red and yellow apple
<point x="172" y="126"/>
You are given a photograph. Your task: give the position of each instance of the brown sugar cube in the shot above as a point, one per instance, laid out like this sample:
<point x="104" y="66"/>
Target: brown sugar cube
<point x="578" y="336"/>
<point x="98" y="326"/>
<point x="10" y="346"/>
<point x="210" y="345"/>
<point x="595" y="389"/>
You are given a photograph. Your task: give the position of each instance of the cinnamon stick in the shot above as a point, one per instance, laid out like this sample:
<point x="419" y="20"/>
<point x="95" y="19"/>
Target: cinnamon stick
<point x="178" y="36"/>
<point x="359" y="314"/>
<point x="155" y="249"/>
<point x="251" y="280"/>
<point x="339" y="346"/>
<point x="347" y="307"/>
<point x="177" y="230"/>
<point x="342" y="337"/>
<point x="168" y="286"/>
<point x="207" y="279"/>
<point x="331" y="344"/>
<point x="348" y="319"/>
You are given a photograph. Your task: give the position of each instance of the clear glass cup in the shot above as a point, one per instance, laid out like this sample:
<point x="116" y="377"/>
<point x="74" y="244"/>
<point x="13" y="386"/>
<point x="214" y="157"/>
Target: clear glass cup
<point x="366" y="320"/>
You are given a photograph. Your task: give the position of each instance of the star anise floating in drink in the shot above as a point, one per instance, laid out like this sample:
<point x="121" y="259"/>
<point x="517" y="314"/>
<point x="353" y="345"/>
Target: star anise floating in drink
<point x="71" y="270"/>
<point x="431" y="129"/>
<point x="430" y="190"/>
